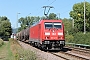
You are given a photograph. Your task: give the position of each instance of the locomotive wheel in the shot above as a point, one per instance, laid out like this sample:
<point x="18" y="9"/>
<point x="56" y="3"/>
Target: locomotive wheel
<point x="61" y="46"/>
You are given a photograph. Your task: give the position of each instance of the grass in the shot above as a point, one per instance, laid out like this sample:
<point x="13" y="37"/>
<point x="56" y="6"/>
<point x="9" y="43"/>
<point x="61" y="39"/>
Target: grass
<point x="12" y="50"/>
<point x="10" y="56"/>
<point x="5" y="52"/>
<point x="20" y="53"/>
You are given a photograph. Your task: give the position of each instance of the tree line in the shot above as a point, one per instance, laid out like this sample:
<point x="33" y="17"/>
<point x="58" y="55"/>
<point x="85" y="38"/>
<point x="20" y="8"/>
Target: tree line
<point x="75" y="34"/>
<point x="30" y="20"/>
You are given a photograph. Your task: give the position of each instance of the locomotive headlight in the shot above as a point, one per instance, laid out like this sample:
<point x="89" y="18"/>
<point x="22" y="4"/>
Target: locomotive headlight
<point x="62" y="42"/>
<point x="60" y="33"/>
<point x="47" y="33"/>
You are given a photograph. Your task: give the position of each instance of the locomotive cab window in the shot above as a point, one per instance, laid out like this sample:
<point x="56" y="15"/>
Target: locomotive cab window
<point x="52" y="25"/>
<point x="57" y="25"/>
<point x="48" y="25"/>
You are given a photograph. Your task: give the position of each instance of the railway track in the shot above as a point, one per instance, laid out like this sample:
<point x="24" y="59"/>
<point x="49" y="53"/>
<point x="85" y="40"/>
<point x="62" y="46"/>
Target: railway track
<point x="60" y="56"/>
<point x="81" y="51"/>
<point x="69" y="56"/>
<point x="73" y="53"/>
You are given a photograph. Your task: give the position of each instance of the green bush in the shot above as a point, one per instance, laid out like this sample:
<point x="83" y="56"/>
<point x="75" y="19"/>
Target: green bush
<point x="69" y="38"/>
<point x="78" y="38"/>
<point x="82" y="38"/>
<point x="1" y="42"/>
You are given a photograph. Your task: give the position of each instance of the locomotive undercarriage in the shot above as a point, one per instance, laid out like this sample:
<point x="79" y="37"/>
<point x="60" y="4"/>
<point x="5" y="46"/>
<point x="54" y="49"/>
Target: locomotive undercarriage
<point x="53" y="45"/>
<point x="48" y="44"/>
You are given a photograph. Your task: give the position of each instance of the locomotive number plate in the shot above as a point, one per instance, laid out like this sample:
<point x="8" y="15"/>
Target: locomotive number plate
<point x="53" y="33"/>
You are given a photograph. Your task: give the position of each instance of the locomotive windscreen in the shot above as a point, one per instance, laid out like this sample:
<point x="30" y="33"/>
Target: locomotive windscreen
<point x="53" y="25"/>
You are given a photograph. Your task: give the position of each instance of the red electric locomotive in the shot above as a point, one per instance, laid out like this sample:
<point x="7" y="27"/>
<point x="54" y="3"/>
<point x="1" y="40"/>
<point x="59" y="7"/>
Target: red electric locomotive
<point x="47" y="34"/>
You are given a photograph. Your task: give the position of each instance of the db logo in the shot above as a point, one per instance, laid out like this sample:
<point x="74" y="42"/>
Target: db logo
<point x="53" y="33"/>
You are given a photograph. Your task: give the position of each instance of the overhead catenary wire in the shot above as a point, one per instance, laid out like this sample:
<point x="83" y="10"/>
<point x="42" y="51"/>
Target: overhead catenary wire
<point x="46" y="13"/>
<point x="66" y="10"/>
<point x="47" y="5"/>
<point x="52" y="2"/>
<point x="56" y="9"/>
<point x="40" y="8"/>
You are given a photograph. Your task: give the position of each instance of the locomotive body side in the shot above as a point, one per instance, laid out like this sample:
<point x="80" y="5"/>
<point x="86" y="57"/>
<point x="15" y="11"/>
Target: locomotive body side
<point x="35" y="34"/>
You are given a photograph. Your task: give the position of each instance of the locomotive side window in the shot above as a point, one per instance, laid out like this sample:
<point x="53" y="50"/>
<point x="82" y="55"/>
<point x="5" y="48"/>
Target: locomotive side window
<point x="48" y="25"/>
<point x="57" y="25"/>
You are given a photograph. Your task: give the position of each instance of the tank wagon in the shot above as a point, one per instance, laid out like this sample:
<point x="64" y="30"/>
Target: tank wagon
<point x="46" y="34"/>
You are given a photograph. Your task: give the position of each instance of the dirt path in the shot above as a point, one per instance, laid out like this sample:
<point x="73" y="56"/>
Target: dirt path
<point x="5" y="53"/>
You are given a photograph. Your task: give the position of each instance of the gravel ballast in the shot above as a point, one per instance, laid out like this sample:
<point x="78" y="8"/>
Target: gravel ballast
<point x="41" y="55"/>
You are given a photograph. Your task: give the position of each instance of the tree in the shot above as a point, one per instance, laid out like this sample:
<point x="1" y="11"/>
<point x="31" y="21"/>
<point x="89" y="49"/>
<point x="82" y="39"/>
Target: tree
<point x="5" y="27"/>
<point x="4" y="18"/>
<point x="43" y="17"/>
<point x="52" y="16"/>
<point x="36" y="19"/>
<point x="67" y="25"/>
<point x="78" y="15"/>
<point x="27" y="21"/>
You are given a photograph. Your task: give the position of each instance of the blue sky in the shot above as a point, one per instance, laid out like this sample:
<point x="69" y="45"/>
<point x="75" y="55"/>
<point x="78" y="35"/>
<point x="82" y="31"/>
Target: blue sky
<point x="10" y="8"/>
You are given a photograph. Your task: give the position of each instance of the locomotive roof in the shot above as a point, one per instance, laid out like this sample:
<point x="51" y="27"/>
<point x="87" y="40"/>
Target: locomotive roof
<point x="52" y="20"/>
<point x="45" y="21"/>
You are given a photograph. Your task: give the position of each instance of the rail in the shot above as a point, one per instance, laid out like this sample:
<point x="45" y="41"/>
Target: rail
<point x="78" y="45"/>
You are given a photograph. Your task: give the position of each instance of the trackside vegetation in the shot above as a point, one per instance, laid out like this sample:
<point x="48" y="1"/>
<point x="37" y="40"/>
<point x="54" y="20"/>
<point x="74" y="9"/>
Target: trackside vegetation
<point x="20" y="53"/>
<point x="5" y="51"/>
<point x="73" y="35"/>
<point x="1" y="42"/>
<point x="78" y="38"/>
